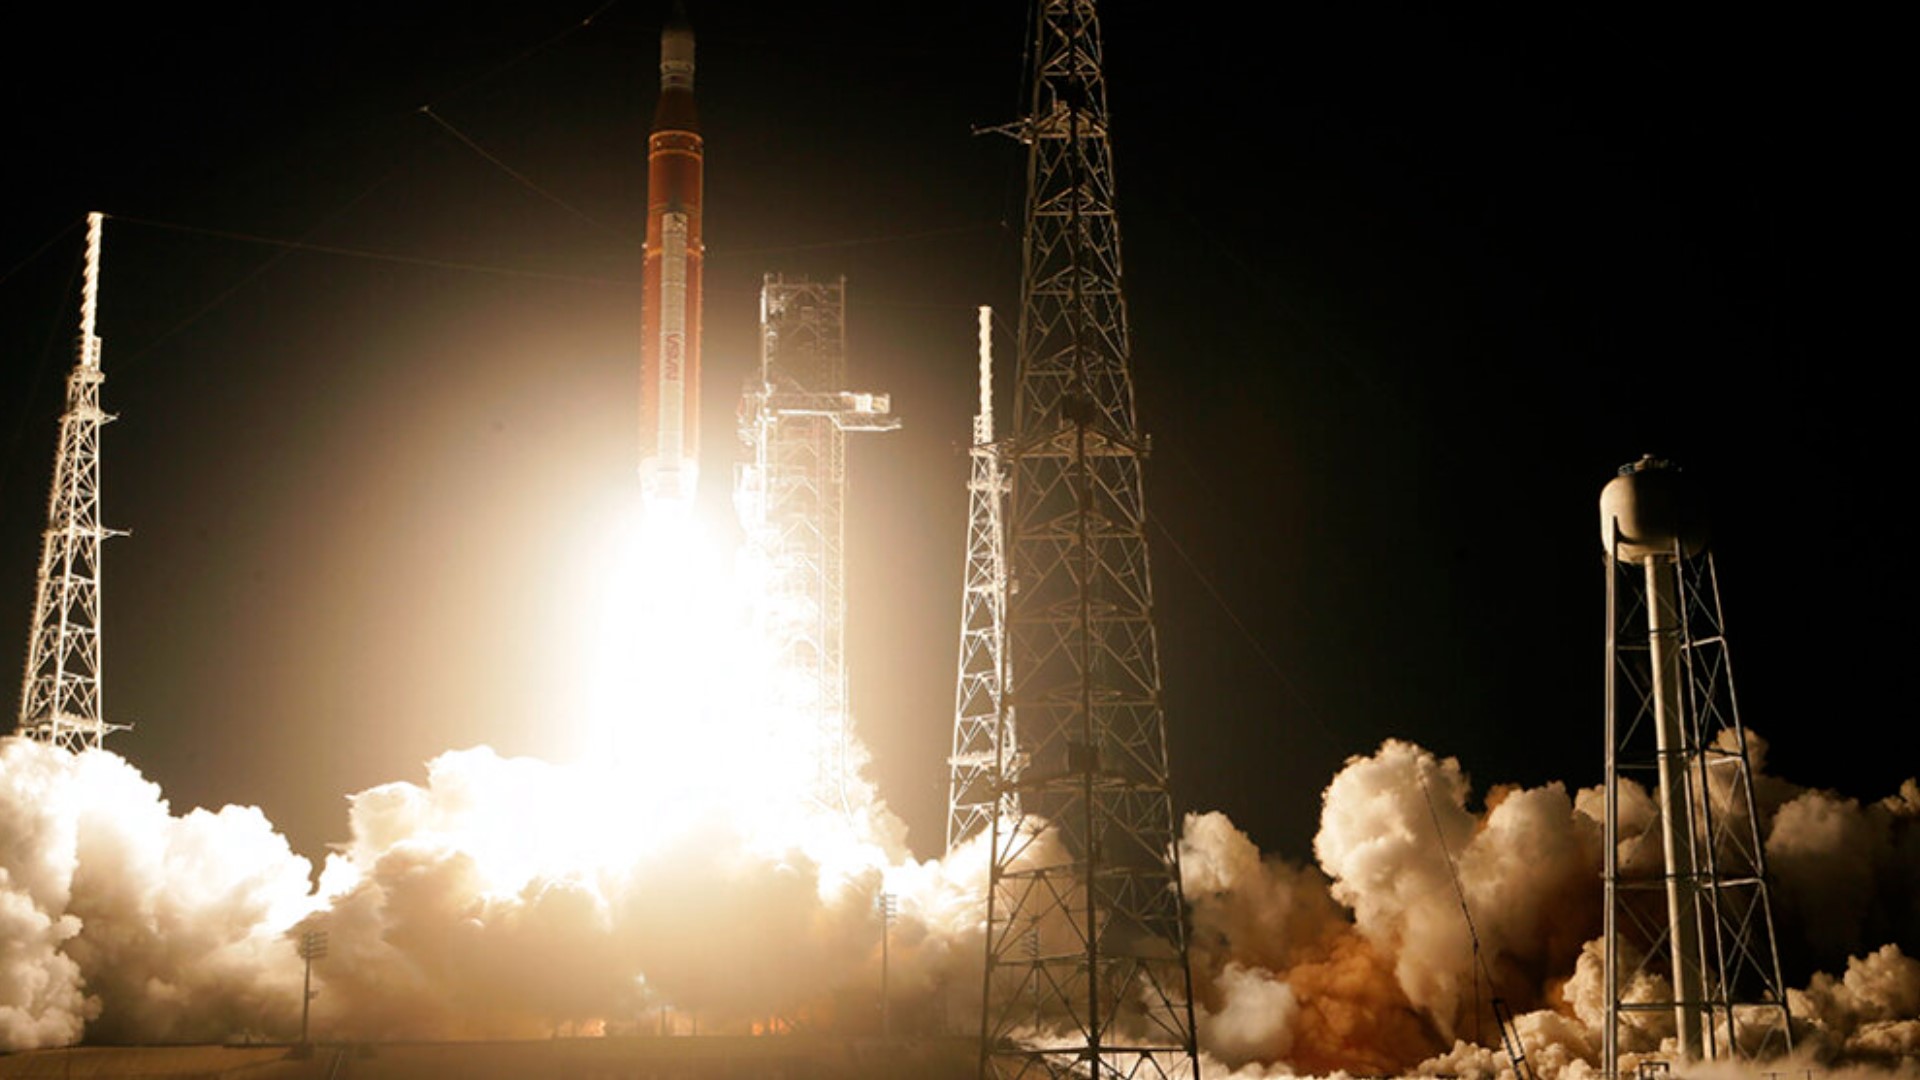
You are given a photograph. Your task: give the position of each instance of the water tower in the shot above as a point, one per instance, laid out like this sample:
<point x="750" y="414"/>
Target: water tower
<point x="1690" y="953"/>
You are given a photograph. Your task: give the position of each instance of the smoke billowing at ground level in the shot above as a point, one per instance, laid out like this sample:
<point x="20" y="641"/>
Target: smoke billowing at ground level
<point x="481" y="903"/>
<point x="1365" y="963"/>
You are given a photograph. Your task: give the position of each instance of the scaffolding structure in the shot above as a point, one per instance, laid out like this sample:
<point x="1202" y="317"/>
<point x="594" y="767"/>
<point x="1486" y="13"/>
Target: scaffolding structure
<point x="1086" y="956"/>
<point x="791" y="499"/>
<point x="981" y="732"/>
<point x="60" y="698"/>
<point x="1689" y="942"/>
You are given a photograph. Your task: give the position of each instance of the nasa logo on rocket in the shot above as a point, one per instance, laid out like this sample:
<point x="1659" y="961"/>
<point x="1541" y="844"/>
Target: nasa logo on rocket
<point x="670" y="293"/>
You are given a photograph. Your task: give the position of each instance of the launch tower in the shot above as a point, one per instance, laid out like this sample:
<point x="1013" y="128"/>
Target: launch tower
<point x="60" y="695"/>
<point x="1689" y="928"/>
<point x="1086" y="954"/>
<point x="792" y="503"/>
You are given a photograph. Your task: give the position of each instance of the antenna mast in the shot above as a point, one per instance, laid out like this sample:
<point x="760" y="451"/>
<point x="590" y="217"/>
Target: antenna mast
<point x="981" y="734"/>
<point x="60" y="695"/>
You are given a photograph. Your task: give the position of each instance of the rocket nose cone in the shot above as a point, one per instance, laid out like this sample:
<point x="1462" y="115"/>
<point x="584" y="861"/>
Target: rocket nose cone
<point x="676" y="51"/>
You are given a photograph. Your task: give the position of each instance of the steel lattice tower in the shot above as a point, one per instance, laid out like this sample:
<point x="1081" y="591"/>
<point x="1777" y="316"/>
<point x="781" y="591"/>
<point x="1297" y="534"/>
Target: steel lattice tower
<point x="1086" y="955"/>
<point x="60" y="699"/>
<point x="980" y="729"/>
<point x="792" y="503"/>
<point x="1689" y="927"/>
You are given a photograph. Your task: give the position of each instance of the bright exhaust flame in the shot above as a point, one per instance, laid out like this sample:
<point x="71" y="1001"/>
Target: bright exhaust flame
<point x="690" y="720"/>
<point x="673" y="728"/>
<point x="681" y="862"/>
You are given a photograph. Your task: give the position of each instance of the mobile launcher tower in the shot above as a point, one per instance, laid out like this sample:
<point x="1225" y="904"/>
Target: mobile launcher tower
<point x="792" y="498"/>
<point x="1689" y="929"/>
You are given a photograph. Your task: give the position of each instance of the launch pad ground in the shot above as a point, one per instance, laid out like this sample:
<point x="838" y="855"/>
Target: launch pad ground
<point x="788" y="1057"/>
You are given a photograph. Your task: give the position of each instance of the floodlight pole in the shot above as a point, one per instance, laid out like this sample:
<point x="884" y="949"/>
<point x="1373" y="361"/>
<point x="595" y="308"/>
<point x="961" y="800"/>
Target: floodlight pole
<point x="889" y="906"/>
<point x="313" y="946"/>
<point x="306" y="999"/>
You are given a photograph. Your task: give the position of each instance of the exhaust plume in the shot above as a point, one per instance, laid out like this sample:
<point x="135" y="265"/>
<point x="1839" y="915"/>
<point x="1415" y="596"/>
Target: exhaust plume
<point x="506" y="897"/>
<point x="461" y="908"/>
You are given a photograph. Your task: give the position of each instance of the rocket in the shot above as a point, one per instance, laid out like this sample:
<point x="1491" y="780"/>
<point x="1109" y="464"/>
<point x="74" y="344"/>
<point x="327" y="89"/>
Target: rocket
<point x="670" y="289"/>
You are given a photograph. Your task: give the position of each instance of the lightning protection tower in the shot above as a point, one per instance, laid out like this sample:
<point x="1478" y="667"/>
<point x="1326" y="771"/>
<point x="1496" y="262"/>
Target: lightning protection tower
<point x="1689" y="928"/>
<point x="792" y="504"/>
<point x="981" y="725"/>
<point x="1086" y="954"/>
<point x="60" y="695"/>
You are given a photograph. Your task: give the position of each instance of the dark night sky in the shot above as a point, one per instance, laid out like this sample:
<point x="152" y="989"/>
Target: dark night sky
<point x="1405" y="288"/>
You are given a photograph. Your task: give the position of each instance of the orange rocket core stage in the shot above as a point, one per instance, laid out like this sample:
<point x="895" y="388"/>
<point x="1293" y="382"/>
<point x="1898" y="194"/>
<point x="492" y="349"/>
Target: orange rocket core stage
<point x="670" y="293"/>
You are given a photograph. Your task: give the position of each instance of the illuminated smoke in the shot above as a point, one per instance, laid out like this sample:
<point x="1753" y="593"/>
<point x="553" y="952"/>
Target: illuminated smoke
<point x="1367" y="965"/>
<point x="132" y="924"/>
<point x="686" y="873"/>
<point x="438" y="929"/>
<point x="1280" y="972"/>
<point x="1526" y="867"/>
<point x="1848" y="874"/>
<point x="514" y="897"/>
<point x="1871" y="1013"/>
<point x="42" y="1002"/>
<point x="458" y="909"/>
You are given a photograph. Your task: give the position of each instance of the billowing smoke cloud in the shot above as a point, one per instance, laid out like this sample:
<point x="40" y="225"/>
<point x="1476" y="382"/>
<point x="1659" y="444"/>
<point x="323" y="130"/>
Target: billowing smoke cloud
<point x="1369" y="964"/>
<point x="1390" y="827"/>
<point x="1280" y="972"/>
<point x="1872" y="1013"/>
<point x="490" y="901"/>
<point x="122" y="920"/>
<point x="1848" y="874"/>
<point x="503" y="897"/>
<point x="1375" y="962"/>
<point x="444" y="930"/>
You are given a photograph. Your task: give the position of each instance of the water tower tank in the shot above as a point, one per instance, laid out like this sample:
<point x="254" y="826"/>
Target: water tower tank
<point x="1653" y="504"/>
